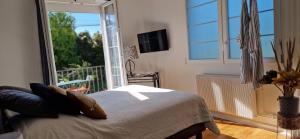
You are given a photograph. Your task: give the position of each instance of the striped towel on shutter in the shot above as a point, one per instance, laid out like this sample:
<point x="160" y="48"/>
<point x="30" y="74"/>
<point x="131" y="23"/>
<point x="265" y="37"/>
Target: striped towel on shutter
<point x="246" y="72"/>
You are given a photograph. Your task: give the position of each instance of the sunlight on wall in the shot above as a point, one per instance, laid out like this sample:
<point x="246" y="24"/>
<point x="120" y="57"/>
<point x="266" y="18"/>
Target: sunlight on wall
<point x="217" y="92"/>
<point x="245" y="111"/>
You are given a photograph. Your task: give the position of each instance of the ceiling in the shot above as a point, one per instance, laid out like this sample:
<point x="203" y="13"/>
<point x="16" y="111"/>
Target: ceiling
<point x="84" y="2"/>
<point x="81" y="6"/>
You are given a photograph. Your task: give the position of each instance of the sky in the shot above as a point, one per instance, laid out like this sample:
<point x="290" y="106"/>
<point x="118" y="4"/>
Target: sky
<point x="87" y="22"/>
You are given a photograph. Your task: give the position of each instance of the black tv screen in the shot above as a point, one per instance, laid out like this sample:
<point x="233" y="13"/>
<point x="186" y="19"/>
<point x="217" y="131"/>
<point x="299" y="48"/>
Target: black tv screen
<point x="153" y="41"/>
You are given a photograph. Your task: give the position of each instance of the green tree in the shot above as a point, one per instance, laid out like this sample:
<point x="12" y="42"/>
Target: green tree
<point x="90" y="49"/>
<point x="98" y="47"/>
<point x="64" y="39"/>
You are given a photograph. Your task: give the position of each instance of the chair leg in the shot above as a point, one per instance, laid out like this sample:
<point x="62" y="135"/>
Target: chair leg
<point x="199" y="136"/>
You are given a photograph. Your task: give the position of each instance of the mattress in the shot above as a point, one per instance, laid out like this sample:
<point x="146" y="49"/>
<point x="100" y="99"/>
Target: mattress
<point x="134" y="112"/>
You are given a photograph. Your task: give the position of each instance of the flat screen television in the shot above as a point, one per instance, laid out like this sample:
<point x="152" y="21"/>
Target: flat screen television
<point x="153" y="41"/>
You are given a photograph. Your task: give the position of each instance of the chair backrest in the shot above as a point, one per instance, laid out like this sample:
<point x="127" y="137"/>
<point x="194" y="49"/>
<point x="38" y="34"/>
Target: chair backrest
<point x="89" y="77"/>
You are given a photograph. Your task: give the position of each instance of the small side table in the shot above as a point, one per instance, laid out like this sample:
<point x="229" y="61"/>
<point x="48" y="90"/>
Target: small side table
<point x="145" y="78"/>
<point x="289" y="123"/>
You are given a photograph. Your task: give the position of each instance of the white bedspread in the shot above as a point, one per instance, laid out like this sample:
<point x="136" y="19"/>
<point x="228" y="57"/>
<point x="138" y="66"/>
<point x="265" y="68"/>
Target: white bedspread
<point x="134" y="112"/>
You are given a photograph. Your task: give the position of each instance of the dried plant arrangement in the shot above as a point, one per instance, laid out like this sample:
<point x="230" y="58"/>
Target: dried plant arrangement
<point x="287" y="78"/>
<point x="288" y="74"/>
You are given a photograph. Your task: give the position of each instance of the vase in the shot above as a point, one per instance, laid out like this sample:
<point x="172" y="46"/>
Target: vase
<point x="289" y="106"/>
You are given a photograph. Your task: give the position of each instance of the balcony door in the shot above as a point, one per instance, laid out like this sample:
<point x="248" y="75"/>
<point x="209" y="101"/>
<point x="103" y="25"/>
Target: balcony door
<point x="112" y="50"/>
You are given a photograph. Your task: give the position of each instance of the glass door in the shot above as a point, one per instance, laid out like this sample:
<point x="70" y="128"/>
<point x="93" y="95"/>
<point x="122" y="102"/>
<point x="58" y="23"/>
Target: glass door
<point x="113" y="59"/>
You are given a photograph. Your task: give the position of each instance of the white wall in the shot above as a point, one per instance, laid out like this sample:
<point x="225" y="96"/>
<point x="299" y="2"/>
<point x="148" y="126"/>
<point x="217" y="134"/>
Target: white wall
<point x="19" y="46"/>
<point x="288" y="21"/>
<point x="177" y="72"/>
<point x="137" y="16"/>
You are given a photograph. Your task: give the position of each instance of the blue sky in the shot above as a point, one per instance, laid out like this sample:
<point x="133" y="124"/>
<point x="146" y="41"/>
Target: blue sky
<point x="87" y="22"/>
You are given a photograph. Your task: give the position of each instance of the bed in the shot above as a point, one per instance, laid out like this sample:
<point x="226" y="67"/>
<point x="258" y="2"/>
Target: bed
<point x="134" y="112"/>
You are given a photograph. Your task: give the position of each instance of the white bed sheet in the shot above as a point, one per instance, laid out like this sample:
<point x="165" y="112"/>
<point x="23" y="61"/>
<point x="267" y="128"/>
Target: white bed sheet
<point x="134" y="112"/>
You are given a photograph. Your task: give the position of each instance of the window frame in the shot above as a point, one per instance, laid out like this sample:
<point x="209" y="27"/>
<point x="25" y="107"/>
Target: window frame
<point x="220" y="59"/>
<point x="224" y="45"/>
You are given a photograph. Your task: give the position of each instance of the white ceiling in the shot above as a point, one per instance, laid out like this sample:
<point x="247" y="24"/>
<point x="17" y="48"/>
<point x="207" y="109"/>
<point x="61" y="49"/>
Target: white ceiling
<point x="81" y="6"/>
<point x="85" y="2"/>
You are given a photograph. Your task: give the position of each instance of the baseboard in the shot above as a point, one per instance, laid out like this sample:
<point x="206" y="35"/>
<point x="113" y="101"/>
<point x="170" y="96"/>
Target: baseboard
<point x="256" y="122"/>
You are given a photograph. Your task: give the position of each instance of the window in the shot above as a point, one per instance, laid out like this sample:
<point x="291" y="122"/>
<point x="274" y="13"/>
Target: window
<point x="203" y="29"/>
<point x="209" y="31"/>
<point x="266" y="16"/>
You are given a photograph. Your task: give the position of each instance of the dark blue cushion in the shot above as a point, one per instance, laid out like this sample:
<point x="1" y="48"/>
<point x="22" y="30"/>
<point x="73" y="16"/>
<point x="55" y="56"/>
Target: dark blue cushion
<point x="60" y="102"/>
<point x="23" y="102"/>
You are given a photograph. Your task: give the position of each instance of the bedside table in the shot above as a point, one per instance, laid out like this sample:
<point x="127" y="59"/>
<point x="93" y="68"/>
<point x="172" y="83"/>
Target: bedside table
<point x="152" y="77"/>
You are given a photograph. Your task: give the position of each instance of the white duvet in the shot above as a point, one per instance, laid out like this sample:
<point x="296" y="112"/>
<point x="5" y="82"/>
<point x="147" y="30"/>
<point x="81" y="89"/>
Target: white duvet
<point x="134" y="112"/>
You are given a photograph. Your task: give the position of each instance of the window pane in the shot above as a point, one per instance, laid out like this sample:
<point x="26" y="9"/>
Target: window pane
<point x="203" y="29"/>
<point x="266" y="20"/>
<point x="204" y="51"/>
<point x="266" y="25"/>
<point x="234" y="27"/>
<point x="265" y="5"/>
<point x="113" y="45"/>
<point x="266" y="46"/>
<point x="207" y="32"/>
<point x="110" y="18"/>
<point x="192" y="3"/>
<point x="112" y="36"/>
<point x="234" y="8"/>
<point x="234" y="49"/>
<point x="200" y="15"/>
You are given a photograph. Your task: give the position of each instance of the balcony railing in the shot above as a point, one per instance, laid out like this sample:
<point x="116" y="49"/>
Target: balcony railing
<point x="92" y="79"/>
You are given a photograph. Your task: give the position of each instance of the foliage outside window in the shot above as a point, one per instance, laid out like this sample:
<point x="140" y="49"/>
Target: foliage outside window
<point x="73" y="49"/>
<point x="78" y="48"/>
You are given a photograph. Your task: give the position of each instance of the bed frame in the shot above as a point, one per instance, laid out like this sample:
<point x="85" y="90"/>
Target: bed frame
<point x="194" y="130"/>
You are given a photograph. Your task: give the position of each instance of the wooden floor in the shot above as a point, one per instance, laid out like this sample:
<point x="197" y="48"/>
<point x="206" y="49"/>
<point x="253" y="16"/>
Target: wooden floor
<point x="231" y="130"/>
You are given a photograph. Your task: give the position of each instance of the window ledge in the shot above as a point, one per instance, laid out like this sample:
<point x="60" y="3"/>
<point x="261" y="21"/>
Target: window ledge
<point x="204" y="61"/>
<point x="266" y="61"/>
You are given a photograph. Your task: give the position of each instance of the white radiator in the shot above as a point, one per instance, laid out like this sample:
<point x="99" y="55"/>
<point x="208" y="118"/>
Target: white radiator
<point x="225" y="94"/>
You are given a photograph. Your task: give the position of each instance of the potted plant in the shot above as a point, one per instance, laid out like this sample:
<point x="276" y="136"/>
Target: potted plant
<point x="287" y="79"/>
